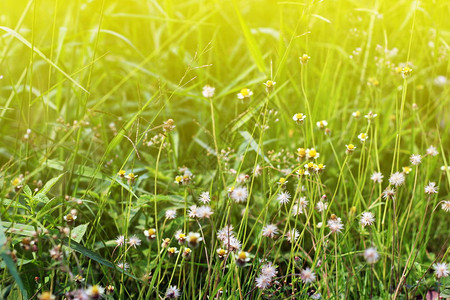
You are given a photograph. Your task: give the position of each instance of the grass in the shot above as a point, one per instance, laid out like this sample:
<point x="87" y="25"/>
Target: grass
<point x="90" y="88"/>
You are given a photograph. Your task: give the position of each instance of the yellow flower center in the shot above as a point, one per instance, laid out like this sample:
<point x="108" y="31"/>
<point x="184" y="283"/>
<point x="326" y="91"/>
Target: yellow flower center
<point x="301" y="152"/>
<point x="351" y="147"/>
<point x="221" y="252"/>
<point x="312" y="153"/>
<point x="282" y="180"/>
<point x="242" y="255"/>
<point x="269" y="83"/>
<point x="151" y="232"/>
<point x="245" y="92"/>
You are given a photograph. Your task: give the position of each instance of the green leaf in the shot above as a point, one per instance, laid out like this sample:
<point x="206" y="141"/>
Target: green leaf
<point x="79" y="232"/>
<point x="49" y="185"/>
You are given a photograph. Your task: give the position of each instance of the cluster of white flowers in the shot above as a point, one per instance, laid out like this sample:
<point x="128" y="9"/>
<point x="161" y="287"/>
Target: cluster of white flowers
<point x="266" y="276"/>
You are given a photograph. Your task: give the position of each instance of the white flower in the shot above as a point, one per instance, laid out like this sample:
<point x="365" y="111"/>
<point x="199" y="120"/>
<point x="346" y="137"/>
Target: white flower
<point x="440" y="80"/>
<point x="431" y="188"/>
<point x="245" y="93"/>
<point x="204" y="197"/>
<point x="120" y="240"/>
<point x="269" y="269"/>
<point x="299" y="117"/>
<point x="377" y="177"/>
<point x="367" y="218"/>
<point x="321" y="206"/>
<point x="193" y="238"/>
<point x="322" y="124"/>
<point x="263" y="282"/>
<point x="270" y="231"/>
<point x="415" y="159"/>
<point x="204" y="212"/>
<point x="134" y="241"/>
<point x="363" y="137"/>
<point x="307" y="276"/>
<point x="335" y="224"/>
<point x="171" y="214"/>
<point x="432" y="151"/>
<point x="208" y="91"/>
<point x="284" y="197"/>
<point x="397" y="179"/>
<point x="292" y="235"/>
<point x="95" y="291"/>
<point x="193" y="211"/>
<point x="312" y="153"/>
<point x="440" y="270"/>
<point x="446" y="205"/>
<point x="239" y="194"/>
<point x="172" y="292"/>
<point x="370" y="116"/>
<point x="388" y="193"/>
<point x="371" y="255"/>
<point x="124" y="266"/>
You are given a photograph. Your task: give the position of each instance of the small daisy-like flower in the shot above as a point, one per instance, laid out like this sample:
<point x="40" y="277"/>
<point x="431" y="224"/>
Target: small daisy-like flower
<point x="444" y="168"/>
<point x="363" y="137"/>
<point x="95" y="291"/>
<point x="187" y="252"/>
<point x="370" y="116"/>
<point x="321" y="206"/>
<point x="204" y="212"/>
<point x="415" y="159"/>
<point x="70" y="218"/>
<point x="242" y="258"/>
<point x="270" y="231"/>
<point x="322" y="124"/>
<point x="312" y="153"/>
<point x="172" y="292"/>
<point x="225" y="233"/>
<point x="307" y="276"/>
<point x="123" y="266"/>
<point x="134" y="241"/>
<point x="239" y="194"/>
<point x="406" y="71"/>
<point x="356" y="114"/>
<point x="78" y="278"/>
<point x="377" y="177"/>
<point x="263" y="282"/>
<point x="46" y="295"/>
<point x="319" y="168"/>
<point x="441" y="270"/>
<point x="446" y="205"/>
<point x="371" y="255"/>
<point x="131" y="177"/>
<point x="432" y="151"/>
<point x="178" y="179"/>
<point x="180" y="236"/>
<point x="245" y="93"/>
<point x="172" y="251"/>
<point x="367" y="218"/>
<point x="350" y="148"/>
<point x="121" y="173"/>
<point x="269" y="85"/>
<point x="257" y="171"/>
<point x="208" y="91"/>
<point x="388" y="193"/>
<point x="282" y="181"/>
<point x="222" y="253"/>
<point x="292" y="235"/>
<point x="335" y="224"/>
<point x="269" y="269"/>
<point x="193" y="211"/>
<point x="171" y="214"/>
<point x="193" y="239"/>
<point x="301" y="153"/>
<point x="165" y="243"/>
<point x="120" y="240"/>
<point x="299" y="117"/>
<point x="150" y="233"/>
<point x="304" y="59"/>
<point x="204" y="197"/>
<point x="406" y="170"/>
<point x="397" y="179"/>
<point x="168" y="125"/>
<point x="284" y="197"/>
<point x="431" y="188"/>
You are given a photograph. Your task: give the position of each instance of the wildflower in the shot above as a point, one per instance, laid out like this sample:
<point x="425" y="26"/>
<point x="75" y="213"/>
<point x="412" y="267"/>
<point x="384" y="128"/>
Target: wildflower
<point x="121" y="173"/>
<point x="312" y="153"/>
<point x="193" y="239"/>
<point x="257" y="171"/>
<point x="269" y="269"/>
<point x="310" y="166"/>
<point x="180" y="236"/>
<point x="172" y="292"/>
<point x="270" y="231"/>
<point x="321" y="206"/>
<point x="397" y="179"/>
<point x="193" y="211"/>
<point x="377" y="177"/>
<point x="239" y="194"/>
<point x="165" y="243"/>
<point x="187" y="253"/>
<point x="441" y="270"/>
<point x="316" y="296"/>
<point x="322" y="124"/>
<point x="269" y="85"/>
<point x="110" y="289"/>
<point x="242" y="258"/>
<point x="171" y="214"/>
<point x="282" y="181"/>
<point x="284" y="197"/>
<point x="350" y="148"/>
<point x="301" y="153"/>
<point x="415" y="159"/>
<point x="225" y="233"/>
<point x="245" y="93"/>
<point x="151" y="233"/>
<point x="373" y="81"/>
<point x="221" y="253"/>
<point x="69" y="218"/>
<point x="367" y="219"/>
<point x="446" y="205"/>
<point x="292" y="235"/>
<point x="131" y="177"/>
<point x="431" y="188"/>
<point x="370" y="116"/>
<point x="78" y="278"/>
<point x="299" y="118"/>
<point x="208" y="91"/>
<point x="388" y="193"/>
<point x="263" y="282"/>
<point x="307" y="276"/>
<point x="363" y="137"/>
<point x="120" y="240"/>
<point x="204" y="197"/>
<point x="432" y="151"/>
<point x="55" y="252"/>
<point x="123" y="266"/>
<point x="168" y="125"/>
<point x="242" y="178"/>
<point x="172" y="251"/>
<point x="371" y="255"/>
<point x="304" y="59"/>
<point x="232" y="244"/>
<point x="204" y="212"/>
<point x="444" y="168"/>
<point x="356" y="114"/>
<point x="406" y="170"/>
<point x="95" y="291"/>
<point x="46" y="296"/>
<point x="319" y="168"/>
<point x="406" y="71"/>
<point x="335" y="224"/>
<point x="134" y="241"/>
<point x="178" y="179"/>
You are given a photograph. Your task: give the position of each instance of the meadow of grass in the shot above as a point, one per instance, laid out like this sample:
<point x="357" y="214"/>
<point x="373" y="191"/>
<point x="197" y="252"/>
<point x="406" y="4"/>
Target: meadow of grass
<point x="224" y="149"/>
